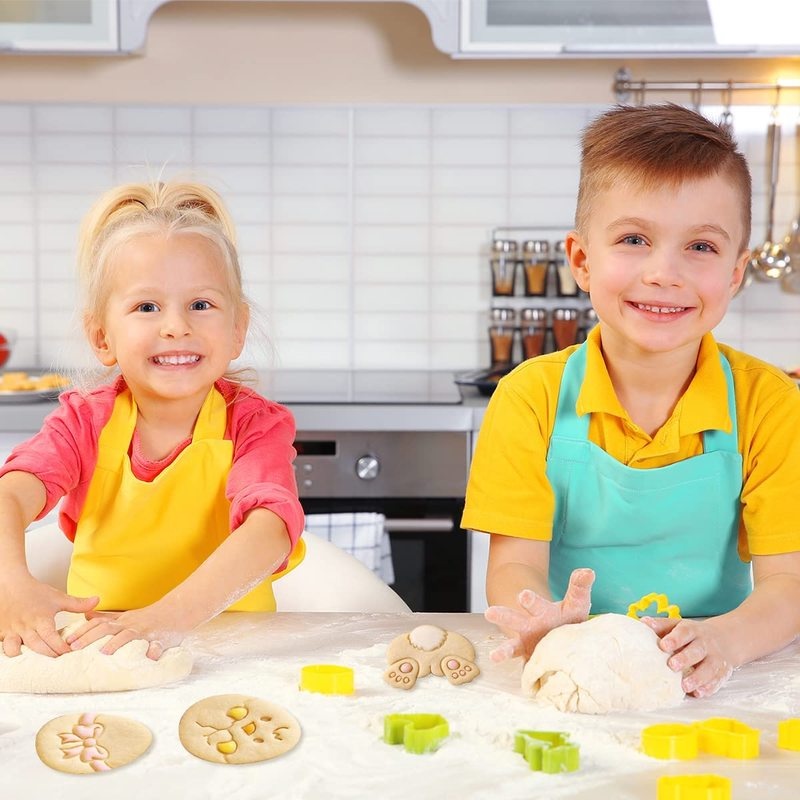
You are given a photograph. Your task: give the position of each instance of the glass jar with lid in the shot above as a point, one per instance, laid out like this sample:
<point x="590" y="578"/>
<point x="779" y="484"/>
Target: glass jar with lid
<point x="503" y="262"/>
<point x="533" y="330"/>
<point x="565" y="281"/>
<point x="501" y="336"/>
<point x="565" y="327"/>
<point x="535" y="262"/>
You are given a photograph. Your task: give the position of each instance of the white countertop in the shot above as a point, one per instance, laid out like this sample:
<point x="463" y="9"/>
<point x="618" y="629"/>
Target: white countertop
<point x="341" y="753"/>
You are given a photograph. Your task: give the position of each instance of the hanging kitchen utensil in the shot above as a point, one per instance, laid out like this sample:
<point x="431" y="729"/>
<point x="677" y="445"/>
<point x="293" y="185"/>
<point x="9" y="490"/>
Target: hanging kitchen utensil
<point x="726" y="120"/>
<point x="790" y="282"/>
<point x="770" y="262"/>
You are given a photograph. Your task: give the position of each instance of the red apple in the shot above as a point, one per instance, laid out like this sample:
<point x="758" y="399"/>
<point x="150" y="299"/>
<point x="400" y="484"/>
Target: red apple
<point x="5" y="350"/>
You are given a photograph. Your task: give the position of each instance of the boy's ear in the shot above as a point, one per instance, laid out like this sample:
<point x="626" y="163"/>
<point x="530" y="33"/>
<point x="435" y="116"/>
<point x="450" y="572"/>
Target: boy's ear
<point x="576" y="256"/>
<point x="99" y="343"/>
<point x="739" y="271"/>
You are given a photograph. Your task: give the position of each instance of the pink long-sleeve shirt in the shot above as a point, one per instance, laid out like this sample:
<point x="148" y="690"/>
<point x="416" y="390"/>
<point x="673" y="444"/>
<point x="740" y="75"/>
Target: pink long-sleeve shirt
<point x="63" y="455"/>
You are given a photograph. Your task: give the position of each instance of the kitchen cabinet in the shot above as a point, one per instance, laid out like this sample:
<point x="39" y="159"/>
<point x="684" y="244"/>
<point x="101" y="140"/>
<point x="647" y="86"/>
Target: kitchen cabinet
<point x="78" y="27"/>
<point x="608" y="28"/>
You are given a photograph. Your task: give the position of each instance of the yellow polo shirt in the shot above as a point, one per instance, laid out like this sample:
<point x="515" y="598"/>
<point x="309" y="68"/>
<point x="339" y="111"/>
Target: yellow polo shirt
<point x="508" y="491"/>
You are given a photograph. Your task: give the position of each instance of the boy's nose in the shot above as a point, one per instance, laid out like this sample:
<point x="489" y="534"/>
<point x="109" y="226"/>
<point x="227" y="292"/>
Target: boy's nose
<point x="662" y="269"/>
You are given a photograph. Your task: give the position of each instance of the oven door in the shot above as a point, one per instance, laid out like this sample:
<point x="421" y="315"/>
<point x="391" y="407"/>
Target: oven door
<point x="429" y="549"/>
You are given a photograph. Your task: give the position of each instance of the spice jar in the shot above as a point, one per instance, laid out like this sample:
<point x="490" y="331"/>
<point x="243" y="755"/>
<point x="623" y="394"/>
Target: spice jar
<point x="535" y="260"/>
<point x="501" y="336"/>
<point x="565" y="327"/>
<point x="503" y="262"/>
<point x="565" y="281"/>
<point x="533" y="329"/>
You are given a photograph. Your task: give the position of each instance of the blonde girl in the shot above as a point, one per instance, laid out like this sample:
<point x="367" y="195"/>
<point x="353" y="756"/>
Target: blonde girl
<point x="178" y="487"/>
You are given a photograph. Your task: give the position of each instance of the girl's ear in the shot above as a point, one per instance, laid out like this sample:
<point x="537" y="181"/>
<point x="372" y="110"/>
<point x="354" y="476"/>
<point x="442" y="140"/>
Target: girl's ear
<point x="99" y="343"/>
<point x="241" y="324"/>
<point x="576" y="256"/>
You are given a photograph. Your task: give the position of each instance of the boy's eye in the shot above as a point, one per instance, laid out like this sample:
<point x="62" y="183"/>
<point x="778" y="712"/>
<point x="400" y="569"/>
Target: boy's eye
<point x="147" y="308"/>
<point x="634" y="239"/>
<point x="703" y="247"/>
<point x="200" y="305"/>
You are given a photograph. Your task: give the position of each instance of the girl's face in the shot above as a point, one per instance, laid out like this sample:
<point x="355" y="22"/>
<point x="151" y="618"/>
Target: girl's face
<point x="170" y="323"/>
<point x="661" y="266"/>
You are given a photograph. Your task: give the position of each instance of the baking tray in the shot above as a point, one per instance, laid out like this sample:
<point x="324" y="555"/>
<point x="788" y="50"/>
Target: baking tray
<point x="484" y="380"/>
<point x="8" y="397"/>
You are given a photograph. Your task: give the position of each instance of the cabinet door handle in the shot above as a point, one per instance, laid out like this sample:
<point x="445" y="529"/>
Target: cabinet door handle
<point x="431" y="524"/>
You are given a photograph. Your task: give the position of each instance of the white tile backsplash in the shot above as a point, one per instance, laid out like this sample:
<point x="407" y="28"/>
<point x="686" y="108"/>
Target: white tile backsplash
<point x="363" y="231"/>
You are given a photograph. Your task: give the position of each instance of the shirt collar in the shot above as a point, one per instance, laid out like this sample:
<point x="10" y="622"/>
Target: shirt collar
<point x="703" y="406"/>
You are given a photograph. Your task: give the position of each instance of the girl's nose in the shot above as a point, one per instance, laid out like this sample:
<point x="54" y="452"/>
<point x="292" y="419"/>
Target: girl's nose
<point x="174" y="324"/>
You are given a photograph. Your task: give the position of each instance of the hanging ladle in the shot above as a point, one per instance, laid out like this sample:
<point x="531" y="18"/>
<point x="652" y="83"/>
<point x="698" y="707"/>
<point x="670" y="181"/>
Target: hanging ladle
<point x="790" y="282"/>
<point x="770" y="262"/>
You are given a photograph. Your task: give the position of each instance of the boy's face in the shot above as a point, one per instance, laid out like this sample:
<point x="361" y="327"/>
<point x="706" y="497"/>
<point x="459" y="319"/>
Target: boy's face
<point x="661" y="265"/>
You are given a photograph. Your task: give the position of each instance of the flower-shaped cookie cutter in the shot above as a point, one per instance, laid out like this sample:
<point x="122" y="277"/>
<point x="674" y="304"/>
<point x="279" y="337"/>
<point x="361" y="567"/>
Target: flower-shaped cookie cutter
<point x="547" y="751"/>
<point x="418" y="733"/>
<point x="326" y="679"/>
<point x="693" y="787"/>
<point x="719" y="736"/>
<point x="789" y="734"/>
<point x="661" y="602"/>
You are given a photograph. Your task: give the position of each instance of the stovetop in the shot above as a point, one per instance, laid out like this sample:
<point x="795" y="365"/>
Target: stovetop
<point x="404" y="387"/>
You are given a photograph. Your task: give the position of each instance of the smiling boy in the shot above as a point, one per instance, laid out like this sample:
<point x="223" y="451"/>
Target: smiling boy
<point x="649" y="459"/>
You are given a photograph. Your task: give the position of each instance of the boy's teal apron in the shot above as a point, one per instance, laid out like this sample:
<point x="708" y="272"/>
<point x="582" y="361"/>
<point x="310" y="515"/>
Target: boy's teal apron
<point x="671" y="530"/>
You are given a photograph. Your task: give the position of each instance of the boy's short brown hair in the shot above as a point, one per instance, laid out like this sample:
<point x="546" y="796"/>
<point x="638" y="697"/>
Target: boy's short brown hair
<point x="649" y="146"/>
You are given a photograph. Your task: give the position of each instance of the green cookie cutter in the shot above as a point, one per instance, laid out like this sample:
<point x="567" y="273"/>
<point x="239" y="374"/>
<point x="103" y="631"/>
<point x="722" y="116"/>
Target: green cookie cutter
<point x="419" y="733"/>
<point x="547" y="751"/>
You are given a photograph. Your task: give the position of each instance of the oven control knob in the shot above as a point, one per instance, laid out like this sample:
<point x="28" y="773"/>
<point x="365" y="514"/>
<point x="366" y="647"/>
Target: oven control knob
<point x="367" y="468"/>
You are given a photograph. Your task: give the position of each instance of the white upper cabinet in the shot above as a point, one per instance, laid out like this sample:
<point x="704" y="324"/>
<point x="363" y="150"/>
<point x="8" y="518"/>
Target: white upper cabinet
<point x="74" y="26"/>
<point x="612" y="28"/>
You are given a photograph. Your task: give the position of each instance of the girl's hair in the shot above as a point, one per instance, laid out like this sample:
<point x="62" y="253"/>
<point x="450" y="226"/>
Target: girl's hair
<point x="152" y="209"/>
<point x="645" y="147"/>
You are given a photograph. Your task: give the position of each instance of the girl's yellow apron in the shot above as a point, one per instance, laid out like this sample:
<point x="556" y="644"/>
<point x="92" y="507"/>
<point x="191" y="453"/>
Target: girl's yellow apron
<point x="135" y="541"/>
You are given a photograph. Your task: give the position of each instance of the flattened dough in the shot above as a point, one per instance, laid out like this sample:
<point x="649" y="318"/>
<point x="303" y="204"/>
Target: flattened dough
<point x="236" y="729"/>
<point x="84" y="744"/>
<point x="609" y="663"/>
<point x="89" y="670"/>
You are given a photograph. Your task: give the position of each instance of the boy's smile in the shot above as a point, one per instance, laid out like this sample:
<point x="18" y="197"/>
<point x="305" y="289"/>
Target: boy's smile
<point x="662" y="264"/>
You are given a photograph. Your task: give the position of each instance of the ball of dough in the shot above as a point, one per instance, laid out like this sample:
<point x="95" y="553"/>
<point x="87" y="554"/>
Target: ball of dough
<point x="89" y="670"/>
<point x="609" y="663"/>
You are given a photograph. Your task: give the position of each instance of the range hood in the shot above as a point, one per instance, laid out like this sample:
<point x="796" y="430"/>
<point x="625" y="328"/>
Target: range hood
<point x="613" y="28"/>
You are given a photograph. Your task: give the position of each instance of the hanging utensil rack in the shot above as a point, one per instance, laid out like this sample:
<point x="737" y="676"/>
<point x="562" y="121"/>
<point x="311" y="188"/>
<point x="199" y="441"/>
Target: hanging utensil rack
<point x="625" y="87"/>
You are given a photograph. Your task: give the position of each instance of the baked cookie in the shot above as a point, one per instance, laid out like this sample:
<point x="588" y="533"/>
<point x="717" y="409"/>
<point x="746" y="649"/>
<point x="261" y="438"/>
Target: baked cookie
<point x="428" y="650"/>
<point x="235" y="729"/>
<point x="83" y="744"/>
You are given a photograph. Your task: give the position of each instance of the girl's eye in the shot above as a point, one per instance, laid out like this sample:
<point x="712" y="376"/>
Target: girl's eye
<point x="632" y="239"/>
<point x="703" y="247"/>
<point x="147" y="308"/>
<point x="200" y="305"/>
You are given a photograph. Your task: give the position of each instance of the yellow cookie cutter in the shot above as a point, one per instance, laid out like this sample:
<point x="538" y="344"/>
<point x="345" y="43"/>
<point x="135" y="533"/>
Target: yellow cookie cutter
<point x="326" y="679"/>
<point x="668" y="740"/>
<point x="661" y="602"/>
<point x="723" y="736"/>
<point x="789" y="734"/>
<point x="693" y="787"/>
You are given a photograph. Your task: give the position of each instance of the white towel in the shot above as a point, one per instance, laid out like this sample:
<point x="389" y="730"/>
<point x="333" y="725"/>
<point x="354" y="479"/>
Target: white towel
<point x="362" y="534"/>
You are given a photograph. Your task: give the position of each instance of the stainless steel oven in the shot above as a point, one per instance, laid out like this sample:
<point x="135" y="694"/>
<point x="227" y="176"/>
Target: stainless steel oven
<point x="417" y="479"/>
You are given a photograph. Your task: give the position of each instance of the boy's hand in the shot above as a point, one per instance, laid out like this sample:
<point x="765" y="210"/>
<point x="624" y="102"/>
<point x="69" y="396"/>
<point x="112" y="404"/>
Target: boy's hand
<point x="697" y="649"/>
<point x="539" y="616"/>
<point x="148" y="623"/>
<point x="27" y="616"/>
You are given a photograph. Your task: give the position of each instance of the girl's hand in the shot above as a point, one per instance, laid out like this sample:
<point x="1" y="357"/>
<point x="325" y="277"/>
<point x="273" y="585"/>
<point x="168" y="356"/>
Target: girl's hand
<point x="697" y="650"/>
<point x="539" y="616"/>
<point x="148" y="623"/>
<point x="27" y="616"/>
